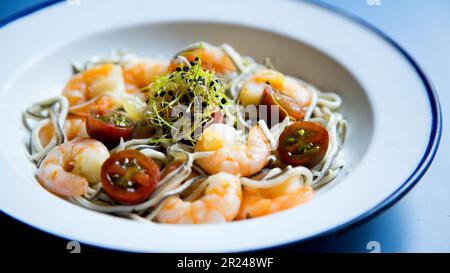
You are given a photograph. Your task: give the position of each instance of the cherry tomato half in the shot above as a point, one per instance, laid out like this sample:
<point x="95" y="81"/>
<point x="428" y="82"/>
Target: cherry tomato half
<point x="129" y="177"/>
<point x="143" y="129"/>
<point x="172" y="166"/>
<point x="109" y="126"/>
<point x="286" y="105"/>
<point x="303" y="143"/>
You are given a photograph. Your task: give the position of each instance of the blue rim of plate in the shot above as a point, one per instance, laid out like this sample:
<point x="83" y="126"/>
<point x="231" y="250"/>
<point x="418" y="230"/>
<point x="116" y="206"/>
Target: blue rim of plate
<point x="408" y="184"/>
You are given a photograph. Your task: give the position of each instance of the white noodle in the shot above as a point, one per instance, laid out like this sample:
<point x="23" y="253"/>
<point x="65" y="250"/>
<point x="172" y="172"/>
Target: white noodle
<point x="273" y="143"/>
<point x="330" y="100"/>
<point x="302" y="172"/>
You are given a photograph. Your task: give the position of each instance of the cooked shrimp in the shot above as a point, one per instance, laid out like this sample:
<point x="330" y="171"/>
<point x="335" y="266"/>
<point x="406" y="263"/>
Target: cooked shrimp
<point x="73" y="127"/>
<point x="69" y="168"/>
<point x="253" y="88"/>
<point x="93" y="83"/>
<point x="220" y="203"/>
<point x="212" y="58"/>
<point x="139" y="73"/>
<point x="264" y="201"/>
<point x="294" y="89"/>
<point x="232" y="155"/>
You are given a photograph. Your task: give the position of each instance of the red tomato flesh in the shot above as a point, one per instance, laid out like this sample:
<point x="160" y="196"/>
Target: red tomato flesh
<point x="303" y="143"/>
<point x="109" y="126"/>
<point x="286" y="105"/>
<point x="129" y="177"/>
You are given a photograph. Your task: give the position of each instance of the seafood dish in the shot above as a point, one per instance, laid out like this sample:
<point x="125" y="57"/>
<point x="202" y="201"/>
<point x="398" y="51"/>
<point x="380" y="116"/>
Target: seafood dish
<point x="208" y="136"/>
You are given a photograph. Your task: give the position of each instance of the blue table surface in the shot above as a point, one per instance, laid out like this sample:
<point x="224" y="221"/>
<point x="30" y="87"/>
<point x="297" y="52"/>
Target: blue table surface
<point x="420" y="222"/>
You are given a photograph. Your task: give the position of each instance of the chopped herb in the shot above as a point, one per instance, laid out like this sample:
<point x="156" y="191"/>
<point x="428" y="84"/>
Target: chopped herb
<point x="290" y="139"/>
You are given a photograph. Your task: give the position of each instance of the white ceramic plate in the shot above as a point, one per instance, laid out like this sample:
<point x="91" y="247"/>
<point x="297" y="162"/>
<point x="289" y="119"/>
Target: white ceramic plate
<point x="392" y="110"/>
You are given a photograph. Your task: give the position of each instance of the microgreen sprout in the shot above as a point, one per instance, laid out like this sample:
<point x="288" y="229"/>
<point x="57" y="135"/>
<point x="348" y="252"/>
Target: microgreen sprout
<point x="193" y="88"/>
